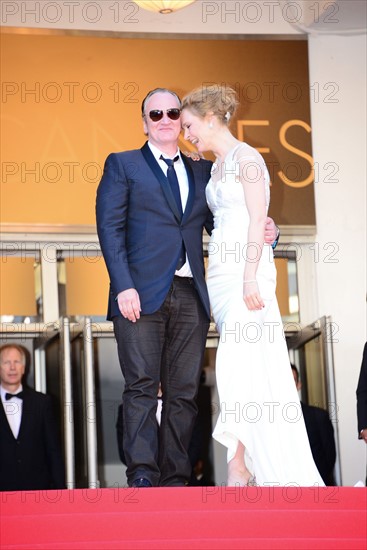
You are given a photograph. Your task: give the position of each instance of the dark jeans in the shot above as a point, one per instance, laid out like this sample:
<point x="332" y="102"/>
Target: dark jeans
<point x="166" y="346"/>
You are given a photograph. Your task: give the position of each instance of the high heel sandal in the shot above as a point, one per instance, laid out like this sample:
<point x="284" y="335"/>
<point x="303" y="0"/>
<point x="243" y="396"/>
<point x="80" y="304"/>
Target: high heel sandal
<point x="252" y="482"/>
<point x="240" y="481"/>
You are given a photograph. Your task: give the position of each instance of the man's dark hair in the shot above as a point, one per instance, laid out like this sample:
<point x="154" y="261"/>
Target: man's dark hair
<point x="156" y="91"/>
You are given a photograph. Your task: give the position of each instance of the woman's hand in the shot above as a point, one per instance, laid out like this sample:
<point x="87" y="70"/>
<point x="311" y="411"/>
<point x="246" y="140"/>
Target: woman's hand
<point x="193" y="155"/>
<point x="251" y="295"/>
<point x="271" y="231"/>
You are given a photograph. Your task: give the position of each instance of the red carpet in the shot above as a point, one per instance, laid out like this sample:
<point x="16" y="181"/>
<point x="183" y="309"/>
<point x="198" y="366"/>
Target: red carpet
<point x="186" y="518"/>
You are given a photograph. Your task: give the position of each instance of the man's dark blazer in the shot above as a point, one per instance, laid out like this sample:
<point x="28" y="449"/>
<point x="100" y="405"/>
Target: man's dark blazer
<point x="140" y="230"/>
<point x="362" y="393"/>
<point x="33" y="461"/>
<point x="320" y="433"/>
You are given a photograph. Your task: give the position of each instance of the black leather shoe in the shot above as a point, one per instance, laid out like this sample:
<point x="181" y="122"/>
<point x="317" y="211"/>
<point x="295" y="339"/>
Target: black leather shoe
<point x="141" y="482"/>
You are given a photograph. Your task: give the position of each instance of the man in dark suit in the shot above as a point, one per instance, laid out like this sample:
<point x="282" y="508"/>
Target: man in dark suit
<point x="30" y="454"/>
<point x="320" y="433"/>
<point x="362" y="399"/>
<point x="151" y="211"/>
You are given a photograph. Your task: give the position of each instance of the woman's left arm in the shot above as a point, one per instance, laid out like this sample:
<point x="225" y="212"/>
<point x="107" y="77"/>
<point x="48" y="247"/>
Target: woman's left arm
<point x="252" y="179"/>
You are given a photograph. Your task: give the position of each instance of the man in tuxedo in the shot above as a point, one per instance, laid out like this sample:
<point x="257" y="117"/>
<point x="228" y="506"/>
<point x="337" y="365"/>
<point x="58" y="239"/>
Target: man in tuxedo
<point x="29" y="447"/>
<point x="362" y="399"/>
<point x="320" y="433"/>
<point x="151" y="211"/>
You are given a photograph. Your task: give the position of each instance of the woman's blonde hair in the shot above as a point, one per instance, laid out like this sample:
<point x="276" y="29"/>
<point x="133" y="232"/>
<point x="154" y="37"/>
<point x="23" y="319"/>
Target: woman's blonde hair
<point x="218" y="99"/>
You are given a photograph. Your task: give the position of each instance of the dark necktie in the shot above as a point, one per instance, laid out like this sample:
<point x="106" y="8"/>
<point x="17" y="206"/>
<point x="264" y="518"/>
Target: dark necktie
<point x="10" y="395"/>
<point x="173" y="181"/>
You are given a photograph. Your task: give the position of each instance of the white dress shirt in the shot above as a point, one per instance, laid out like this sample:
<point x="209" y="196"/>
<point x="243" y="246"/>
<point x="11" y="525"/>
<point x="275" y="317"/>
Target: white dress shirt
<point x="183" y="183"/>
<point x="13" y="409"/>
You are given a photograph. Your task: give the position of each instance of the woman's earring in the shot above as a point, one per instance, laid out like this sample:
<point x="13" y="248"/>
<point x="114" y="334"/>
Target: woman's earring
<point x="211" y="124"/>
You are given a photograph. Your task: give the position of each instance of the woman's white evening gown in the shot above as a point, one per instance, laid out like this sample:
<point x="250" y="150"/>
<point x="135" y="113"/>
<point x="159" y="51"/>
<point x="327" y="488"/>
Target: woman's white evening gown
<point x="259" y="403"/>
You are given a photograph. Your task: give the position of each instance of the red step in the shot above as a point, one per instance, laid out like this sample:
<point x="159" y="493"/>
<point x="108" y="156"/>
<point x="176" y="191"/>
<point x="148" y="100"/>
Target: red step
<point x="186" y="518"/>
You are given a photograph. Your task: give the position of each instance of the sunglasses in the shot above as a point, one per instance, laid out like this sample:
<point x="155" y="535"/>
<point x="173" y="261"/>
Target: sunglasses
<point x="157" y="114"/>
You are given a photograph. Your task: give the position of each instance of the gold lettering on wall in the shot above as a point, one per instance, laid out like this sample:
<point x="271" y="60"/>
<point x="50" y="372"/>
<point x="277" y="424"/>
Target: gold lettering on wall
<point x="282" y="137"/>
<point x="62" y="119"/>
<point x="240" y="131"/>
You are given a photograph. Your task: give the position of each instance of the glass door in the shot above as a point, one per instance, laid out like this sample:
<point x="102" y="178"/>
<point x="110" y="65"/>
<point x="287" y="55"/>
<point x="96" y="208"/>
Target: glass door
<point x="310" y="350"/>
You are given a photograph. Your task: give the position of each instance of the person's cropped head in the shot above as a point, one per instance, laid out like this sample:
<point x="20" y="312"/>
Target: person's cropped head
<point x="161" y="110"/>
<point x="296" y="376"/>
<point x="12" y="366"/>
<point x="206" y="110"/>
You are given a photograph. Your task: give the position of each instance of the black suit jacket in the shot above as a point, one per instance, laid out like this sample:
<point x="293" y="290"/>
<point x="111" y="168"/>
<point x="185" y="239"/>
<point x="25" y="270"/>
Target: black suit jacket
<point x="33" y="461"/>
<point x="320" y="433"/>
<point x="140" y="229"/>
<point x="362" y="393"/>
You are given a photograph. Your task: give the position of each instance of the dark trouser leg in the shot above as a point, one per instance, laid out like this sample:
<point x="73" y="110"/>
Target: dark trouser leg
<point x="165" y="346"/>
<point x="140" y="347"/>
<point x="186" y="332"/>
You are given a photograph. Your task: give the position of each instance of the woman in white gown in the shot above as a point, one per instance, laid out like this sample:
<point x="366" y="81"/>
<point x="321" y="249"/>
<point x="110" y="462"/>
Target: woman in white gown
<point x="260" y="419"/>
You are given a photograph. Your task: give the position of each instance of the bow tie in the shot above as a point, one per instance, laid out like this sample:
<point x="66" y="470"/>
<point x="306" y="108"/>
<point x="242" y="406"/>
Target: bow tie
<point x="10" y="395"/>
